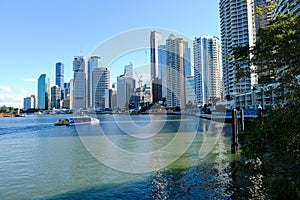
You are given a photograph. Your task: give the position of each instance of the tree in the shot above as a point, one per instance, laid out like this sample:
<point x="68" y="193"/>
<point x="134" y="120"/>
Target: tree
<point x="273" y="141"/>
<point x="276" y="53"/>
<point x="214" y="100"/>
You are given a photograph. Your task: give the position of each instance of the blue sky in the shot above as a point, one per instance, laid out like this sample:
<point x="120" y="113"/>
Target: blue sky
<point x="36" y="34"/>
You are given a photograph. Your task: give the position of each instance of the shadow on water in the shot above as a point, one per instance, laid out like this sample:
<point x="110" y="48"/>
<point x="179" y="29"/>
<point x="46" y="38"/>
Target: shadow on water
<point x="192" y="183"/>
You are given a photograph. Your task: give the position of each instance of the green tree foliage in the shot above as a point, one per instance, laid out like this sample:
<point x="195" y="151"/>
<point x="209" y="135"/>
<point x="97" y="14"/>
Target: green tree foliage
<point x="5" y="109"/>
<point x="276" y="54"/>
<point x="273" y="141"/>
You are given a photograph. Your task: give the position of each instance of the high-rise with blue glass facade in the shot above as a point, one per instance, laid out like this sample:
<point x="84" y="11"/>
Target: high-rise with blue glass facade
<point x="162" y="75"/>
<point x="187" y="59"/>
<point x="44" y="92"/>
<point x="59" y="74"/>
<point x="287" y="6"/>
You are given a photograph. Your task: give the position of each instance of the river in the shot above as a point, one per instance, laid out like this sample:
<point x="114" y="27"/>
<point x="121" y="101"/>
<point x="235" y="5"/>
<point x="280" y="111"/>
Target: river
<point x="124" y="157"/>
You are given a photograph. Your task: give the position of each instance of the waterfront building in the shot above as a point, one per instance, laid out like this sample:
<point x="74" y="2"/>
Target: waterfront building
<point x="43" y="92"/>
<point x="59" y="74"/>
<point x="108" y="98"/>
<point x="114" y="96"/>
<point x="71" y="93"/>
<point x="79" y="90"/>
<point x="262" y="20"/>
<point x="59" y="77"/>
<point x="261" y="96"/>
<point x="207" y="69"/>
<point x="29" y="102"/>
<point x="190" y="90"/>
<point x="125" y="90"/>
<point x="101" y="82"/>
<point x="66" y="96"/>
<point x="55" y="97"/>
<point x="162" y="75"/>
<point x="237" y="29"/>
<point x="286" y="7"/>
<point x="93" y="62"/>
<point x="155" y="41"/>
<point x="187" y="59"/>
<point x="175" y="72"/>
<point x="67" y="87"/>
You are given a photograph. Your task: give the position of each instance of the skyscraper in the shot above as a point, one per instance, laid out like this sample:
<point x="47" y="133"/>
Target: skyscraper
<point x="44" y="92"/>
<point x="286" y="7"/>
<point x="67" y="90"/>
<point x="162" y="75"/>
<point x="55" y="97"/>
<point x="72" y="94"/>
<point x="207" y="69"/>
<point x="237" y="29"/>
<point x="67" y="95"/>
<point x="175" y="71"/>
<point x="94" y="61"/>
<point x="79" y="93"/>
<point x="190" y="90"/>
<point x="128" y="70"/>
<point x="59" y="74"/>
<point x="187" y="59"/>
<point x="155" y="40"/>
<point x="125" y="89"/>
<point x="29" y="102"/>
<point x="101" y="82"/>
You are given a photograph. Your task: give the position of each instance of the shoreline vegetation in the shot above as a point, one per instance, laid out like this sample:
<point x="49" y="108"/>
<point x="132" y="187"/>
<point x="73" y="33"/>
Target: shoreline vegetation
<point x="270" y="147"/>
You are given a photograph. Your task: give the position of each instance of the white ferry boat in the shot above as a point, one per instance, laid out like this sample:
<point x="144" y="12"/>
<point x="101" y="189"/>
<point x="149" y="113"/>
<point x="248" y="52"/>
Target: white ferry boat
<point x="77" y="120"/>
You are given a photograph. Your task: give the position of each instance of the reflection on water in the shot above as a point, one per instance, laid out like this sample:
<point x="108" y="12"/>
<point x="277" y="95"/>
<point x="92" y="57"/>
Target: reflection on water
<point x="40" y="160"/>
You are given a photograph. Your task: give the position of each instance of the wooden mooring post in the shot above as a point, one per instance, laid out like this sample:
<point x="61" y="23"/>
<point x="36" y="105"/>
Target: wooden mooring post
<point x="234" y="139"/>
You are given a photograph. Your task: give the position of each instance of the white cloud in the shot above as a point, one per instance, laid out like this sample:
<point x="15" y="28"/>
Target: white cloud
<point x="14" y="100"/>
<point x="24" y="91"/>
<point x="5" y="88"/>
<point x="30" y="80"/>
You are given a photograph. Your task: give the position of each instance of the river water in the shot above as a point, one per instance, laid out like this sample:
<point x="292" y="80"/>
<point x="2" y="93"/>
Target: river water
<point x="124" y="157"/>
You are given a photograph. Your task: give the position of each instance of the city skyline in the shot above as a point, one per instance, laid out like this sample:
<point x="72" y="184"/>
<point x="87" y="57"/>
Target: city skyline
<point x="32" y="44"/>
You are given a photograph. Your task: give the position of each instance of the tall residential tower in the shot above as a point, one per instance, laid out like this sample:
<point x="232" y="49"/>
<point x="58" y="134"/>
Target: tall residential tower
<point x="175" y="55"/>
<point x="237" y="29"/>
<point x="207" y="69"/>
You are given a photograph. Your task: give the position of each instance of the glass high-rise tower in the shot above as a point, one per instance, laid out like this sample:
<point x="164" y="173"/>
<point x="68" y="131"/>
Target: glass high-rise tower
<point x="155" y="40"/>
<point x="44" y="92"/>
<point x="59" y="74"/>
